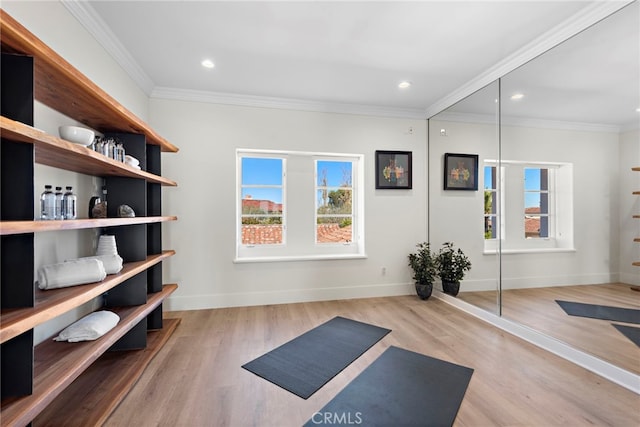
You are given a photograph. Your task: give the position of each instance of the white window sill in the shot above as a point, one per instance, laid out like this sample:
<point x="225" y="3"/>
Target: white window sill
<point x="298" y="258"/>
<point x="528" y="251"/>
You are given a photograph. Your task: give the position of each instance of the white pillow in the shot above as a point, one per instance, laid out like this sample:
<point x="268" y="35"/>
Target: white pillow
<point x="90" y="327"/>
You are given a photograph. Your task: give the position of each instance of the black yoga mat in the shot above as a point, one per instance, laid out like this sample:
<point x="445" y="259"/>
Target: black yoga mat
<point x="399" y="388"/>
<point x="308" y="362"/>
<point x="630" y="332"/>
<point x="604" y="312"/>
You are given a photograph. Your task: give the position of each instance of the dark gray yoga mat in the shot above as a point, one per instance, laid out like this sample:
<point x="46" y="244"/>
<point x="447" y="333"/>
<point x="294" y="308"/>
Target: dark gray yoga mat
<point x="400" y="388"/>
<point x="308" y="362"/>
<point x="604" y="312"/>
<point x="630" y="332"/>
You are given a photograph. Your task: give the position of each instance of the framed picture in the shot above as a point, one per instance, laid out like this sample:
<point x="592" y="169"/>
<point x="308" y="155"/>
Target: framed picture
<point x="461" y="172"/>
<point x="393" y="170"/>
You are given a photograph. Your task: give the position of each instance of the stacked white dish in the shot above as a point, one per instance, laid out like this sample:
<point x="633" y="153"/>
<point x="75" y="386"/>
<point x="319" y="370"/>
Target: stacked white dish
<point x="132" y="161"/>
<point x="107" y="245"/>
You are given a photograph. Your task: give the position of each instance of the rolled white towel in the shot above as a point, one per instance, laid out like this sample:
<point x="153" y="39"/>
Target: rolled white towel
<point x="90" y="327"/>
<point x="71" y="273"/>
<point x="112" y="263"/>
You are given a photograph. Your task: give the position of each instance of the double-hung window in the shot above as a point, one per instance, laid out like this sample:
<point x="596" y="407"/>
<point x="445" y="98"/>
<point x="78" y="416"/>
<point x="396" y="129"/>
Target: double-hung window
<point x="528" y="206"/>
<point x="299" y="205"/>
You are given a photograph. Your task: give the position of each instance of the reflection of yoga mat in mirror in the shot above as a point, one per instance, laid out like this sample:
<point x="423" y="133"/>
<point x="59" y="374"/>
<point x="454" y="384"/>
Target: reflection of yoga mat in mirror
<point x="399" y="388"/>
<point x="308" y="362"/>
<point x="603" y="312"/>
<point x="630" y="332"/>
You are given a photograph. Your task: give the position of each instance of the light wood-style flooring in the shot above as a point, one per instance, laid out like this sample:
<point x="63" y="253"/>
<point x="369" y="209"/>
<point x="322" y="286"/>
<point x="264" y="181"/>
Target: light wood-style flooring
<point x="536" y="308"/>
<point x="197" y="379"/>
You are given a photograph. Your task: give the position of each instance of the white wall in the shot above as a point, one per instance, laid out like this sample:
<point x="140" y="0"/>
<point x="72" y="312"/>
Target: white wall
<point x="204" y="235"/>
<point x="629" y="206"/>
<point x="597" y="183"/>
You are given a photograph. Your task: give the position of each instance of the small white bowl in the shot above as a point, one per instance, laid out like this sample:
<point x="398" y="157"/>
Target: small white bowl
<point x="77" y="135"/>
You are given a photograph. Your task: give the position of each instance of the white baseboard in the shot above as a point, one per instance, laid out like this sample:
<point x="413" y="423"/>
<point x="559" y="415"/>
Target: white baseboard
<point x="630" y="279"/>
<point x="537" y="282"/>
<point x="598" y="366"/>
<point x="201" y="302"/>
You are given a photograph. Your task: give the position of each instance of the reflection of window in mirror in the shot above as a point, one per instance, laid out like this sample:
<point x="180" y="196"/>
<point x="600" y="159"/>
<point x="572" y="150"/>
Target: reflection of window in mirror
<point x="490" y="202"/>
<point x="537" y="198"/>
<point x="528" y="206"/>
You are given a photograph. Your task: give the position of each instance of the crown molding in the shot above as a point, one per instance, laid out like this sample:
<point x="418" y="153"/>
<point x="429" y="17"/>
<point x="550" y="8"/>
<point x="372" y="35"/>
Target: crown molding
<point x="489" y="119"/>
<point x="283" y="103"/>
<point x="95" y="25"/>
<point x="582" y="20"/>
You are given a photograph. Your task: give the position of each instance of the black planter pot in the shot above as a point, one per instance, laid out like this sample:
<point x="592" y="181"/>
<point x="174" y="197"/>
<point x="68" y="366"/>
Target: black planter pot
<point x="451" y="288"/>
<point x="424" y="291"/>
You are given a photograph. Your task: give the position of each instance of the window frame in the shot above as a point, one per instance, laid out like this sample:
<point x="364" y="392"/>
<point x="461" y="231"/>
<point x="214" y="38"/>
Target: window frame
<point x="299" y="210"/>
<point x="511" y="237"/>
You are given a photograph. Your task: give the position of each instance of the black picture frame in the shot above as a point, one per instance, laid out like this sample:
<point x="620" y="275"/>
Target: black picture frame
<point x="389" y="179"/>
<point x="461" y="172"/>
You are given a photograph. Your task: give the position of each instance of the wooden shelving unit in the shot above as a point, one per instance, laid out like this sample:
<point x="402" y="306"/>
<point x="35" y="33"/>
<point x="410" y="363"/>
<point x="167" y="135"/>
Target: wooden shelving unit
<point x="18" y="227"/>
<point x="110" y="372"/>
<point x="52" y="303"/>
<point x="636" y="239"/>
<point x="34" y="378"/>
<point x="58" y="153"/>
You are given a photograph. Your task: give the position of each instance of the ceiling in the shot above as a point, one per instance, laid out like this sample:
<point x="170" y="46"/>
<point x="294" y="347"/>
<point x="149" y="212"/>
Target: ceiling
<point x="326" y="55"/>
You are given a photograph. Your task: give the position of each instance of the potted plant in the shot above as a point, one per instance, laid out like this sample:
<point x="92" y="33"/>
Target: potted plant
<point x="424" y="269"/>
<point x="451" y="264"/>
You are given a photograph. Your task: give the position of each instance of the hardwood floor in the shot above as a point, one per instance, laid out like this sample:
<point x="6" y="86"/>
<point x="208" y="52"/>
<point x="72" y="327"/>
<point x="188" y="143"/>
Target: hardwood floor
<point x="197" y="379"/>
<point x="536" y="308"/>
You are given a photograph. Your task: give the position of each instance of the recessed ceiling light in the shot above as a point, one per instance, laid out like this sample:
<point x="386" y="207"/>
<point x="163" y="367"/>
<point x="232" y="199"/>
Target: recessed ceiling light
<point x="403" y="85"/>
<point x="517" y="96"/>
<point x="207" y="63"/>
<point x="638" y="110"/>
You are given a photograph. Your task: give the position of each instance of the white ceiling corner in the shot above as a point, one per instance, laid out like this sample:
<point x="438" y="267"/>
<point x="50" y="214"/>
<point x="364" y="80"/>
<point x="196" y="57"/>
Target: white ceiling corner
<point x="95" y="25"/>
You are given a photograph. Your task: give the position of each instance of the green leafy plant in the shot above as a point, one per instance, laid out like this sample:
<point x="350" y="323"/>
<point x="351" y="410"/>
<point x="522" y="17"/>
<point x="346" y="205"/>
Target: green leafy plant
<point x="451" y="263"/>
<point x="423" y="264"/>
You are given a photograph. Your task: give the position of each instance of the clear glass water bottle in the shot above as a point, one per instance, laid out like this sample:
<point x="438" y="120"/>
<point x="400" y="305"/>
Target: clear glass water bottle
<point x="47" y="204"/>
<point x="70" y="205"/>
<point x="119" y="152"/>
<point x="58" y="203"/>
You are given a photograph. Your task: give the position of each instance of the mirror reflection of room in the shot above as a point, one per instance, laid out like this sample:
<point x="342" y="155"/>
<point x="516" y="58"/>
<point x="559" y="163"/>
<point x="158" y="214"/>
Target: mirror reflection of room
<point x="557" y="179"/>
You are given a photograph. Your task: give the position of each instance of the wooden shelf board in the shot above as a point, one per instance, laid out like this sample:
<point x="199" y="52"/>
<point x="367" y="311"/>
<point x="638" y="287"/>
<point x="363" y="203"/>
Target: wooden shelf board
<point x="637" y="263"/>
<point x="58" y="153"/>
<point x="104" y="384"/>
<point x="62" y="87"/>
<point x="636" y="168"/>
<point x="637" y="239"/>
<point x="20" y="227"/>
<point x="54" y="302"/>
<point x="636" y="216"/>
<point x="58" y="364"/>
<point x="636" y="193"/>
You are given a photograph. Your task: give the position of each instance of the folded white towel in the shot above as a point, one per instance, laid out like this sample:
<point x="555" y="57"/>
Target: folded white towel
<point x="71" y="273"/>
<point x="131" y="160"/>
<point x="112" y="263"/>
<point x="90" y="327"/>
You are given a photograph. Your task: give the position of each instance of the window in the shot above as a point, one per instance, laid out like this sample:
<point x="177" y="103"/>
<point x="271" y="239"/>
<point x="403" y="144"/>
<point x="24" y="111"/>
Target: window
<point x="299" y="205"/>
<point x="262" y="203"/>
<point x="536" y="202"/>
<point x="334" y="201"/>
<point x="490" y="202"/>
<point x="528" y="206"/>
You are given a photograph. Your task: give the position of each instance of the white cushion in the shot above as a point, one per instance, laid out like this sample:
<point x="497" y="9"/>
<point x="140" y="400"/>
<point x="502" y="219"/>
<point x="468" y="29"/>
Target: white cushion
<point x="90" y="327"/>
